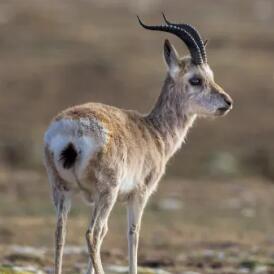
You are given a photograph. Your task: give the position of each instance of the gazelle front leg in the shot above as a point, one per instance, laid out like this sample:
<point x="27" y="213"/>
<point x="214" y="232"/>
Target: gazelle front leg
<point x="135" y="209"/>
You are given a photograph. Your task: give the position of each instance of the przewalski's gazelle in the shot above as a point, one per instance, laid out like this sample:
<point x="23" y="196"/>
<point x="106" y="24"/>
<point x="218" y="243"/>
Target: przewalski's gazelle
<point x="107" y="153"/>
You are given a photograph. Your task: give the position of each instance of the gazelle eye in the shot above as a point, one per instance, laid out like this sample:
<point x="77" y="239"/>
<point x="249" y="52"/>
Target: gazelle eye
<point x="195" y="81"/>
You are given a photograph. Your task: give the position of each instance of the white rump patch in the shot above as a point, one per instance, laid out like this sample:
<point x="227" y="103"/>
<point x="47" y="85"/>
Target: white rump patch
<point x="87" y="136"/>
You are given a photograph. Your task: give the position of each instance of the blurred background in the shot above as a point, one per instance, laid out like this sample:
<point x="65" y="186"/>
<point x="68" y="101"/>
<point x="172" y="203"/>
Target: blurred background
<point x="214" y="210"/>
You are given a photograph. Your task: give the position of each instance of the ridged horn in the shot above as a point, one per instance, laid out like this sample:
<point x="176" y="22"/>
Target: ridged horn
<point x="183" y="35"/>
<point x="194" y="33"/>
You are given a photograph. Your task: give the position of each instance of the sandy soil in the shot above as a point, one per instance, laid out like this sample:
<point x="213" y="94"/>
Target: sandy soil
<point x="57" y="54"/>
<point x="203" y="226"/>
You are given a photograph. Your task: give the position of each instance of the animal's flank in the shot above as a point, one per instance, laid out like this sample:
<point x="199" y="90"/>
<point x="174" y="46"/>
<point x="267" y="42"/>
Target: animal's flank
<point x="108" y="153"/>
<point x="68" y="156"/>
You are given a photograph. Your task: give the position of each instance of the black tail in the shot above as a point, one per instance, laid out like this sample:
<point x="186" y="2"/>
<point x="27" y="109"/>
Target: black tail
<point x="68" y="156"/>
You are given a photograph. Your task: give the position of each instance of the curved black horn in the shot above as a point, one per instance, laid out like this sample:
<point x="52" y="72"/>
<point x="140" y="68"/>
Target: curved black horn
<point x="183" y="35"/>
<point x="194" y="33"/>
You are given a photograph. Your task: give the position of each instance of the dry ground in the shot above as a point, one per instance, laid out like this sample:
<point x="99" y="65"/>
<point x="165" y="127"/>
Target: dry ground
<point x="202" y="226"/>
<point x="57" y="54"/>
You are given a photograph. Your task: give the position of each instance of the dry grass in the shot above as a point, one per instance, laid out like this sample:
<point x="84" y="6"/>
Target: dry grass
<point x="210" y="218"/>
<point x="69" y="52"/>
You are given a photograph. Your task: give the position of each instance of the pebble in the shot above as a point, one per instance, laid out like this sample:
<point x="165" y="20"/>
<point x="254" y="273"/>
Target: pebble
<point x="115" y="269"/>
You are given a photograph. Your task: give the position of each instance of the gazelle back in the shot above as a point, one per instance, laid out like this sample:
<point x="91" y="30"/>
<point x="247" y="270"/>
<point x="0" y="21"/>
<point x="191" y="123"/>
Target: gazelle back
<point x="108" y="153"/>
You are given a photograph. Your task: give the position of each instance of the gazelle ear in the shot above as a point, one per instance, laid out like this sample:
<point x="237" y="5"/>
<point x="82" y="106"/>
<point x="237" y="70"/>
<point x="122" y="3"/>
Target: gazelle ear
<point x="171" y="59"/>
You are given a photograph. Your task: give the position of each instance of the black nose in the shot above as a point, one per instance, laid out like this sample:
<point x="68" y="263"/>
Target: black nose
<point x="228" y="105"/>
<point x="228" y="101"/>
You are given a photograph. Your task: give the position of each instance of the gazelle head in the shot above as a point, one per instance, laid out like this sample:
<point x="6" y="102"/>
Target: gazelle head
<point x="192" y="76"/>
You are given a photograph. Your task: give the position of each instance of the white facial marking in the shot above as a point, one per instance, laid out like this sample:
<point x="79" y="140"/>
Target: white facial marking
<point x="208" y="71"/>
<point x="174" y="71"/>
<point x="204" y="99"/>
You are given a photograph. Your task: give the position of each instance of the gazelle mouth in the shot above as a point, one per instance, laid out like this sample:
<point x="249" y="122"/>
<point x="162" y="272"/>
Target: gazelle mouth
<point x="223" y="111"/>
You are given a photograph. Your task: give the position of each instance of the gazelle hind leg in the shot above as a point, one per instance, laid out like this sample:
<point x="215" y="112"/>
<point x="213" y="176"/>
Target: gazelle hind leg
<point x="98" y="227"/>
<point x="62" y="204"/>
<point x="61" y="199"/>
<point x="90" y="269"/>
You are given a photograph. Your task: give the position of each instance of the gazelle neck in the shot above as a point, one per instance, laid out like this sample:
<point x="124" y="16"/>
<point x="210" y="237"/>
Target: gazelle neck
<point x="169" y="117"/>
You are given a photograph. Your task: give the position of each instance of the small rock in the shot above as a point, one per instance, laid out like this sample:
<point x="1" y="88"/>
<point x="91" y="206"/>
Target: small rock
<point x="26" y="253"/>
<point x="244" y="270"/>
<point x="261" y="269"/>
<point x="248" y="212"/>
<point x="75" y="250"/>
<point x="208" y="253"/>
<point x="117" y="269"/>
<point x="114" y="269"/>
<point x="19" y="270"/>
<point x="28" y="250"/>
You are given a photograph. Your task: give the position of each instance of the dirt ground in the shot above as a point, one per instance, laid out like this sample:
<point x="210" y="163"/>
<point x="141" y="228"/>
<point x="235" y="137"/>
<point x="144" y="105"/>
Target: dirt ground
<point x="213" y="213"/>
<point x="201" y="226"/>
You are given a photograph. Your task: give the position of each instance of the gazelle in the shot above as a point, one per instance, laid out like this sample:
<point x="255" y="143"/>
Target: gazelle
<point x="107" y="153"/>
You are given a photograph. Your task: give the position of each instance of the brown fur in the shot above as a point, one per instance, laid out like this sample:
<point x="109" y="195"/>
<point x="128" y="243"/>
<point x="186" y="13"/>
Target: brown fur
<point x="135" y="144"/>
<point x="130" y="134"/>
